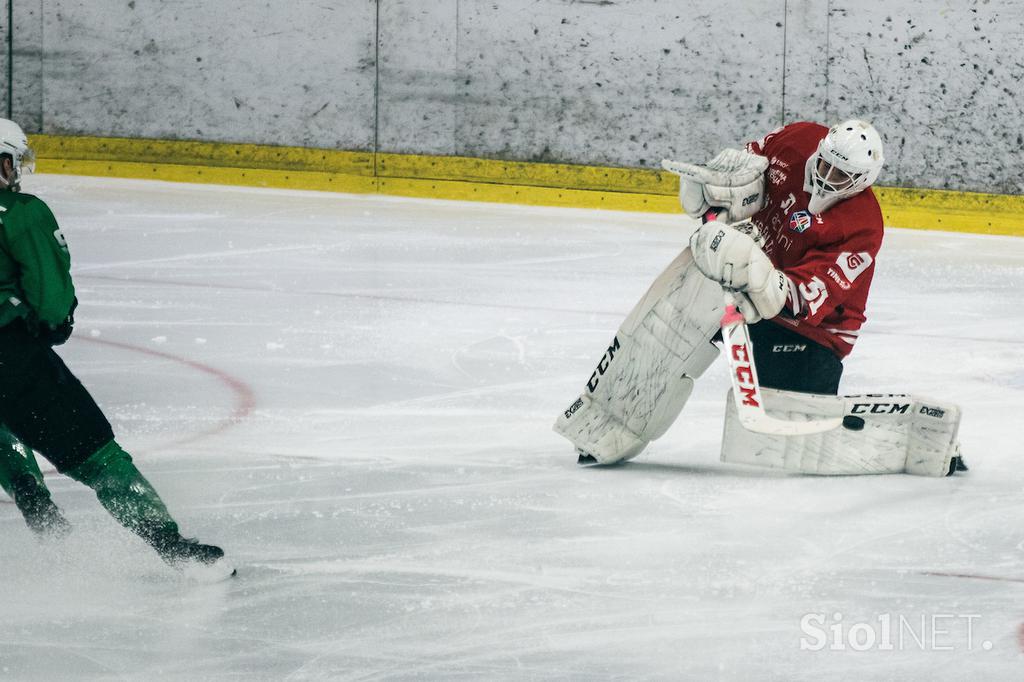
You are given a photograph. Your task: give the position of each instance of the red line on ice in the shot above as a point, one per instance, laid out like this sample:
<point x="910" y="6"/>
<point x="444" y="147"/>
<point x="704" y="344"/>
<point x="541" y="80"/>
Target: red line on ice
<point x="245" y="398"/>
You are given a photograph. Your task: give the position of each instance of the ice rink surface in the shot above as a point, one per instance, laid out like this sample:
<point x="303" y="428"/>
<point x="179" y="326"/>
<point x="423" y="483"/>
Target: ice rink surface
<point x="354" y="396"/>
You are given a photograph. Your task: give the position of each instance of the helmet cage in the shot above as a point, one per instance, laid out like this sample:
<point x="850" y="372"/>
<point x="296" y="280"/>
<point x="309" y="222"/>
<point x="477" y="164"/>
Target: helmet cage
<point x="830" y="178"/>
<point x="847" y="161"/>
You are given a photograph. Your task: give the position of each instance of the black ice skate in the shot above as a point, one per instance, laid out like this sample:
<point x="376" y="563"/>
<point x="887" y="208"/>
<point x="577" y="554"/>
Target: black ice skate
<point x="957" y="463"/>
<point x="42" y="516"/>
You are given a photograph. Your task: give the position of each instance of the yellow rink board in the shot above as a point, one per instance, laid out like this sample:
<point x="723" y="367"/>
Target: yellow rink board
<point x="460" y="178"/>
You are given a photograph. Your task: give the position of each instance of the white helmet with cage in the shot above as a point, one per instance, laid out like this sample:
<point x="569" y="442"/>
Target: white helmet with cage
<point x="848" y="161"/>
<point x="14" y="143"/>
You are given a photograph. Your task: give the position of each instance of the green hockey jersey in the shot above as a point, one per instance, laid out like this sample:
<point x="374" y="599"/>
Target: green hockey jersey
<point x="35" y="266"/>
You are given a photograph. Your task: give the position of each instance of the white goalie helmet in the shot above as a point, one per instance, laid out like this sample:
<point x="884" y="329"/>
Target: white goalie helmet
<point x="848" y="161"/>
<point x="13" y="142"/>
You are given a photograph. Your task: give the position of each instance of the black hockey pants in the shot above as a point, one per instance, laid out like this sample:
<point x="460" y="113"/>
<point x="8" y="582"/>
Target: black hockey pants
<point x="791" y="362"/>
<point x="43" y="404"/>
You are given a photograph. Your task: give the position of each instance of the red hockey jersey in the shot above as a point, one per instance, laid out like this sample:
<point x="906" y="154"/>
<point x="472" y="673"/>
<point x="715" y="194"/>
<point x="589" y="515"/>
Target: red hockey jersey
<point x="829" y="258"/>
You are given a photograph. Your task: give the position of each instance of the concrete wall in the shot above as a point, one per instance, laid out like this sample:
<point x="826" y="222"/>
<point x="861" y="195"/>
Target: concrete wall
<point x="606" y="82"/>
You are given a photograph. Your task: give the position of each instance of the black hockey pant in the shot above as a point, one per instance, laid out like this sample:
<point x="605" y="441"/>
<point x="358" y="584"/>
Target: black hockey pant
<point x="44" y="405"/>
<point x="788" y="361"/>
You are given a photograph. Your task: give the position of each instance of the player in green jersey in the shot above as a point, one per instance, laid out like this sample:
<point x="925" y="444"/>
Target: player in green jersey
<point x="43" y="406"/>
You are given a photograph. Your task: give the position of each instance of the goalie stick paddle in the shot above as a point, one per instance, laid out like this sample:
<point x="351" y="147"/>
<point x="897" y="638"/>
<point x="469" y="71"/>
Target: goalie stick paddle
<point x="746" y="389"/>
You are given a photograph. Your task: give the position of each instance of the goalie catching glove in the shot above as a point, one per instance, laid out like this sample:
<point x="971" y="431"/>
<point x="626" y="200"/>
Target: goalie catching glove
<point x="731" y="256"/>
<point x="732" y="181"/>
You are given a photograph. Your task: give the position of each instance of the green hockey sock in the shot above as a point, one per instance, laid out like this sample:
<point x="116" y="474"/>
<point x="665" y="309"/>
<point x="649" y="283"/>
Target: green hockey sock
<point x="126" y="494"/>
<point x="16" y="460"/>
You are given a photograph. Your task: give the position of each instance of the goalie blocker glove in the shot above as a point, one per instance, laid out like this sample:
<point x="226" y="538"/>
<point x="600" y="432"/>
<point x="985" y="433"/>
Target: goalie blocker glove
<point x="730" y="255"/>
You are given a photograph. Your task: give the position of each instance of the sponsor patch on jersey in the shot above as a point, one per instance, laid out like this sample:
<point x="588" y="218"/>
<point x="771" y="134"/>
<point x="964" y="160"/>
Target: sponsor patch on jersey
<point x="800" y="221"/>
<point x="838" y="279"/>
<point x="776" y="176"/>
<point x="853" y="264"/>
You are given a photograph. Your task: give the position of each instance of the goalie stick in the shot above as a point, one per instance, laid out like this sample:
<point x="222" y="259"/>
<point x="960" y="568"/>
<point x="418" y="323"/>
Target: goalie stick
<point x="746" y="389"/>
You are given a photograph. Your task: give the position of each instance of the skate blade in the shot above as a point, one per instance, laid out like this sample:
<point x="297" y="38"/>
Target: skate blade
<point x="207" y="573"/>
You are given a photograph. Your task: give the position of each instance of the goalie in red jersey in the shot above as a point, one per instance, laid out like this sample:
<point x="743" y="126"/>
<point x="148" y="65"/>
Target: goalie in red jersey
<point x="820" y="228"/>
<point x="792" y="229"/>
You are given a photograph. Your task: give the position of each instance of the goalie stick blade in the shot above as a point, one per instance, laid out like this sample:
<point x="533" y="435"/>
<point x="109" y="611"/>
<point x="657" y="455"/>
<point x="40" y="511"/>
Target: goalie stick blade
<point x="782" y="427"/>
<point x="746" y="389"/>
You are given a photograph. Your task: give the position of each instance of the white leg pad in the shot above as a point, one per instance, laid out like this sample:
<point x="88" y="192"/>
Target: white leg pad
<point x="596" y="432"/>
<point x="646" y="374"/>
<point x="881" y="434"/>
